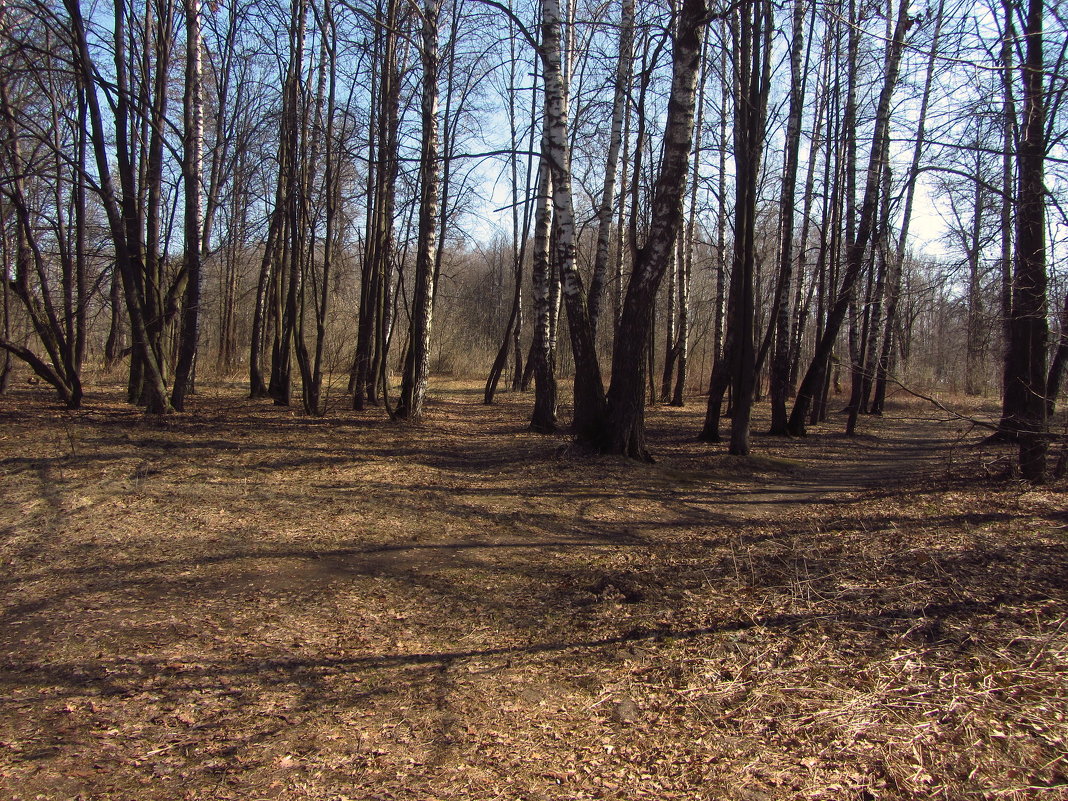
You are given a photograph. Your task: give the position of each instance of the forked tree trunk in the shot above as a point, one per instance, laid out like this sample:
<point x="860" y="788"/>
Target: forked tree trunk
<point x="53" y="330"/>
<point x="126" y="260"/>
<point x="626" y="397"/>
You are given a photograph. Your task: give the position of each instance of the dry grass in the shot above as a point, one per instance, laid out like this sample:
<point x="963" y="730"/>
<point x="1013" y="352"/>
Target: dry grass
<point x="241" y="603"/>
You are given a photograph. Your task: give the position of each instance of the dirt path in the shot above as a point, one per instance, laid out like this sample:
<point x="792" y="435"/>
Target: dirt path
<point x="907" y="452"/>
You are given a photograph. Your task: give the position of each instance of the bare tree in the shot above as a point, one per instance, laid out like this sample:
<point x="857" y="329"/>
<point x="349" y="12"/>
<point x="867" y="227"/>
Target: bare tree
<point x="625" y="432"/>
<point x="193" y="143"/>
<point x="1029" y="330"/>
<point x="780" y="363"/>
<point x="817" y="371"/>
<point x="137" y="265"/>
<point x="417" y="361"/>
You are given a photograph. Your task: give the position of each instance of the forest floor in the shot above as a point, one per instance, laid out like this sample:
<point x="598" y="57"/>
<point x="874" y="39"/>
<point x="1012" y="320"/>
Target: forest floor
<point x="243" y="603"/>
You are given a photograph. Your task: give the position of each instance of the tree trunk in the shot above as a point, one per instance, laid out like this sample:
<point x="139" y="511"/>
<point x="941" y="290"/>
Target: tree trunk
<point x="1060" y="361"/>
<point x="192" y="146"/>
<point x="753" y="85"/>
<point x="540" y="361"/>
<point x="626" y="402"/>
<point x="974" y="346"/>
<point x="1012" y="398"/>
<point x="417" y="362"/>
<point x="615" y="142"/>
<point x="780" y="363"/>
<point x="589" y="389"/>
<point x="512" y="334"/>
<point x="688" y="239"/>
<point x="1030" y="327"/>
<point x="370" y="364"/>
<point x="897" y="258"/>
<point x="671" y="331"/>
<point x="127" y="260"/>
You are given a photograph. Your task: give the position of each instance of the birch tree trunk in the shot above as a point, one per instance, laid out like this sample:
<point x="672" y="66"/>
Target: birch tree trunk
<point x="589" y="389"/>
<point x="615" y="142"/>
<point x="417" y="361"/>
<point x="688" y="238"/>
<point x="626" y="398"/>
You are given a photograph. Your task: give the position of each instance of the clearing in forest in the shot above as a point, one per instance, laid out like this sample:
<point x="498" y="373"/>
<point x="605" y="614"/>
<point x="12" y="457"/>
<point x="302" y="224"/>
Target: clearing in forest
<point x="243" y="603"/>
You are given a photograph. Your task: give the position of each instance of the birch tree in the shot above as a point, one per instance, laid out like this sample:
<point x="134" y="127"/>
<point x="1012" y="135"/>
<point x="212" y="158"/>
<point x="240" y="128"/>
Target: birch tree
<point x="589" y="389"/>
<point x="417" y="361"/>
<point x="625" y="430"/>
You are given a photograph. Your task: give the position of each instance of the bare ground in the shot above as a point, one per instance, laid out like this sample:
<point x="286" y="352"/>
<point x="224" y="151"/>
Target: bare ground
<point x="242" y="603"/>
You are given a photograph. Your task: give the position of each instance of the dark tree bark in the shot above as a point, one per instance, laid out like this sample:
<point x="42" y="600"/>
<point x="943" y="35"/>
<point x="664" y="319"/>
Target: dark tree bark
<point x="127" y="253"/>
<point x="625" y="432"/>
<point x="378" y="249"/>
<point x="314" y="402"/>
<point x="1060" y="361"/>
<point x="192" y="140"/>
<point x="780" y="363"/>
<point x="1030" y="327"/>
<point x="52" y="324"/>
<point x="541" y="361"/>
<point x="753" y="82"/>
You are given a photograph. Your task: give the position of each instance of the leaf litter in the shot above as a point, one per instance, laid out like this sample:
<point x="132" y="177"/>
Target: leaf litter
<point x="241" y="603"/>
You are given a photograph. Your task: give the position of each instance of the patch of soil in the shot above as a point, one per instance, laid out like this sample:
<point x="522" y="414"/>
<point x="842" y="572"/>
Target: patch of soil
<point x="243" y="603"/>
